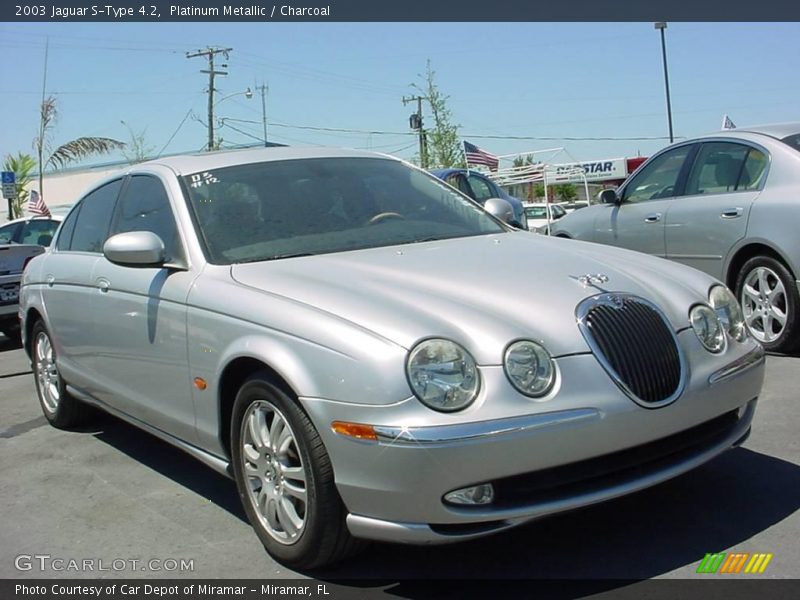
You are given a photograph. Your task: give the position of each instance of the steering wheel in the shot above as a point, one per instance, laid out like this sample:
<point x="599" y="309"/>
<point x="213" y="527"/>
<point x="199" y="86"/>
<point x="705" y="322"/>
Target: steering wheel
<point x="383" y="216"/>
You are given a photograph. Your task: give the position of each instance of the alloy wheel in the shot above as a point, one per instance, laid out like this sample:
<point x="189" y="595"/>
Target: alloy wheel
<point x="275" y="473"/>
<point x="764" y="304"/>
<point x="47" y="373"/>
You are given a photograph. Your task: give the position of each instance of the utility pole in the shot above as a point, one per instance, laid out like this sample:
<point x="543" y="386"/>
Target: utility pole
<point x="209" y="53"/>
<point x="264" y="89"/>
<point x="416" y="123"/>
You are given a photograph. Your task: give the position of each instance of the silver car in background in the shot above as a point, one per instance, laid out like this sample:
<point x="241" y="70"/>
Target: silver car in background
<point x="727" y="204"/>
<point x="379" y="371"/>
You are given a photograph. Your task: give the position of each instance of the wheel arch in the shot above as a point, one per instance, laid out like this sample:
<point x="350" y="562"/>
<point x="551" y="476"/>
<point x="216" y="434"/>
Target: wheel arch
<point x="751" y="250"/>
<point x="233" y="376"/>
<point x="31" y="317"/>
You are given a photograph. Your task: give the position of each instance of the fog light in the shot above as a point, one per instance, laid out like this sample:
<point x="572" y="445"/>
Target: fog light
<point x="476" y="494"/>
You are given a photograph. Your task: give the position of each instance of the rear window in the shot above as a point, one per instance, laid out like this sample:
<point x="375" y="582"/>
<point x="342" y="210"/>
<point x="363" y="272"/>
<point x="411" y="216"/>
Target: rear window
<point x="793" y="141"/>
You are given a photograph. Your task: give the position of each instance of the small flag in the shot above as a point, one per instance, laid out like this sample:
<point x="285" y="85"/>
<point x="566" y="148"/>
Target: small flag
<point x="727" y="123"/>
<point x="36" y="205"/>
<point x="476" y="156"/>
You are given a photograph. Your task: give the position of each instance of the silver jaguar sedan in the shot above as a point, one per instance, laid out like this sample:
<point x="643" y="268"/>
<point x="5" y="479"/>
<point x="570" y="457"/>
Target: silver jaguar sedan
<point x="724" y="203"/>
<point x="379" y="371"/>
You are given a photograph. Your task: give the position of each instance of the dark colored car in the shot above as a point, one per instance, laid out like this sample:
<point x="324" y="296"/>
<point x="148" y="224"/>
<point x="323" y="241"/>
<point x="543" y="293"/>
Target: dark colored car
<point x="480" y="188"/>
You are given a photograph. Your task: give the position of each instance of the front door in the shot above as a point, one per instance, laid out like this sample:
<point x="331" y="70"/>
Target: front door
<point x="637" y="223"/>
<point x="140" y="314"/>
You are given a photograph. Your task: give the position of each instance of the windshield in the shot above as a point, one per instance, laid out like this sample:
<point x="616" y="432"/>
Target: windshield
<point x="280" y="209"/>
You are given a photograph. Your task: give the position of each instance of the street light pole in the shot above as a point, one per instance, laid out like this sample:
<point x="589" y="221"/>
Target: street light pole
<point x="248" y="93"/>
<point x="661" y="26"/>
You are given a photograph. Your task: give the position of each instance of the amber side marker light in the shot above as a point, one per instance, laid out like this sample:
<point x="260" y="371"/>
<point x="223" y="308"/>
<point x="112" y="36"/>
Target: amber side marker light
<point x="200" y="383"/>
<point x="355" y="430"/>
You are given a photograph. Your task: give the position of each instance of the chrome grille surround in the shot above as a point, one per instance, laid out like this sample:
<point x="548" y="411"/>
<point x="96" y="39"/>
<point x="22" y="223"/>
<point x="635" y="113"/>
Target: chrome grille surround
<point x="649" y="320"/>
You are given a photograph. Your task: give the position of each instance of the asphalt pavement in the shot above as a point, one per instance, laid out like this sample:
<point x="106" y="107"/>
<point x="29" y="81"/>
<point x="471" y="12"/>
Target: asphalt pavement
<point x="134" y="506"/>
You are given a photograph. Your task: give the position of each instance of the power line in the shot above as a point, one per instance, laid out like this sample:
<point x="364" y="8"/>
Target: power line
<point x="172" y="137"/>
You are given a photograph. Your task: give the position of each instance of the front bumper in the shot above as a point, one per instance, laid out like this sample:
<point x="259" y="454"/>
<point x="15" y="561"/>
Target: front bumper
<point x="394" y="488"/>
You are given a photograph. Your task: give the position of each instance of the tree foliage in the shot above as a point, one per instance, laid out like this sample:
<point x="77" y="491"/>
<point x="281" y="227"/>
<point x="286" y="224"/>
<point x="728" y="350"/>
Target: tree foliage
<point x="71" y="151"/>
<point x="565" y="192"/>
<point x="23" y="166"/>
<point x="137" y="150"/>
<point x="444" y="147"/>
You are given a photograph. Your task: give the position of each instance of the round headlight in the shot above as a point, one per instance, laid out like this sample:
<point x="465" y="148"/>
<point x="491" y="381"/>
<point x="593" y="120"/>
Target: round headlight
<point x="442" y="375"/>
<point x="529" y="368"/>
<point x="729" y="312"/>
<point x="707" y="326"/>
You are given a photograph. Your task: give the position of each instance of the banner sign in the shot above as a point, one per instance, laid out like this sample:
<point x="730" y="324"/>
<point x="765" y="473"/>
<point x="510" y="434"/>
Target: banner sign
<point x="597" y="170"/>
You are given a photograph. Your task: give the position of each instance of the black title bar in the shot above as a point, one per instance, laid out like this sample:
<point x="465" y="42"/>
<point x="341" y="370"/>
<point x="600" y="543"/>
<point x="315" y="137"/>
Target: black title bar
<point x="400" y="10"/>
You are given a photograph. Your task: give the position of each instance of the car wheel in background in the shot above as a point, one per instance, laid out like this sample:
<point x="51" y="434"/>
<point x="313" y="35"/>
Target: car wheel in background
<point x="285" y="478"/>
<point x="769" y="299"/>
<point x="60" y="409"/>
<point x="11" y="331"/>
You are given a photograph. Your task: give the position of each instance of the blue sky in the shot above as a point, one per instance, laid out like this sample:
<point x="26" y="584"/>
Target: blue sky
<point x="579" y="80"/>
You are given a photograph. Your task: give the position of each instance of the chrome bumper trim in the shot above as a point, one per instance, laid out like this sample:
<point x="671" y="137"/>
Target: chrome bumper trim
<point x="749" y="360"/>
<point x="377" y="529"/>
<point x="467" y="432"/>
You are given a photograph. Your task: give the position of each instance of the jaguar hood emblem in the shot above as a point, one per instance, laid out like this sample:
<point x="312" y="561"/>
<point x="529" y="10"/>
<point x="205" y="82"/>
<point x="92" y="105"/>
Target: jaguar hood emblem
<point x="590" y="279"/>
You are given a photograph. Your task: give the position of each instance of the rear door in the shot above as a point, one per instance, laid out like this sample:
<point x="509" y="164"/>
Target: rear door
<point x="638" y="222"/>
<point x="704" y="224"/>
<point x="68" y="290"/>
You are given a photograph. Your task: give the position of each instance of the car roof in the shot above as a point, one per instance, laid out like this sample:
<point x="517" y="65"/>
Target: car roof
<point x="202" y="161"/>
<point x="775" y="130"/>
<point x="450" y="170"/>
<point x="56" y="216"/>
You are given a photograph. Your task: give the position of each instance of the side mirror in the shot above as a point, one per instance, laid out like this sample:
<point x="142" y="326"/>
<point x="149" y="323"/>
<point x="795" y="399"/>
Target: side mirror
<point x="501" y="209"/>
<point x="135" y="249"/>
<point x="608" y="197"/>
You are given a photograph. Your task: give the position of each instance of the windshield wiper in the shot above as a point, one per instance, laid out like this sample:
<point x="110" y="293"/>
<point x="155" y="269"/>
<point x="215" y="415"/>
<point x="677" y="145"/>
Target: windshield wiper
<point x="280" y="256"/>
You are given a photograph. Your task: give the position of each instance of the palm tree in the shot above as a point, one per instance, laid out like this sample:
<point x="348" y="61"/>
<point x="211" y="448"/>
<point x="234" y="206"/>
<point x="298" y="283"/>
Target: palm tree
<point x="22" y="165"/>
<point x="72" y="151"/>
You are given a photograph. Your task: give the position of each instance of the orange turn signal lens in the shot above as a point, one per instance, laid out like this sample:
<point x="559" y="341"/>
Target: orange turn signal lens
<point x="355" y="430"/>
<point x="200" y="383"/>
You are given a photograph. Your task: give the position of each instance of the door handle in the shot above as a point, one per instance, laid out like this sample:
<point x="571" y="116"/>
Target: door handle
<point x="653" y="218"/>
<point x="103" y="284"/>
<point x="50" y="279"/>
<point x="731" y="213"/>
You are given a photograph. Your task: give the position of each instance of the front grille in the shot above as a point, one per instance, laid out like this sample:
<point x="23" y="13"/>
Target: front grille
<point x="635" y="344"/>
<point x="618" y="468"/>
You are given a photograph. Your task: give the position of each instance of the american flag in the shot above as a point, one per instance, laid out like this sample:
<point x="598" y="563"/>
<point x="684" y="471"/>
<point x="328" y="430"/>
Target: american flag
<point x="476" y="156"/>
<point x="727" y="123"/>
<point x="36" y="205"/>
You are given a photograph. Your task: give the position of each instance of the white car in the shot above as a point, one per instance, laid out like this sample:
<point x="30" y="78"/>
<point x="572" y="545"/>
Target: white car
<point x="30" y="230"/>
<point x="540" y="214"/>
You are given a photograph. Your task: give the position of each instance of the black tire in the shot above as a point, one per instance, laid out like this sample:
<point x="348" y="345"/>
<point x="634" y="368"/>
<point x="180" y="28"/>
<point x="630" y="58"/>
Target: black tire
<point x="323" y="538"/>
<point x="59" y="408"/>
<point x="759" y="308"/>
<point x="11" y="331"/>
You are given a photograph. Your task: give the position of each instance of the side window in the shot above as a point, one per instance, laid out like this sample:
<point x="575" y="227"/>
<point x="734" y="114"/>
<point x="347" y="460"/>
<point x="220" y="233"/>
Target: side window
<point x="8" y="232"/>
<point x="64" y="239"/>
<point x="39" y="231"/>
<point x="719" y="167"/>
<point x="658" y="178"/>
<point x="755" y="168"/>
<point x="91" y="227"/>
<point x="459" y="182"/>
<point x="144" y="206"/>
<point x="481" y="189"/>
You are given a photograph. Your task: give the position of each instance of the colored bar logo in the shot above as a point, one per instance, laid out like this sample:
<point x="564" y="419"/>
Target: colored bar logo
<point x="735" y="562"/>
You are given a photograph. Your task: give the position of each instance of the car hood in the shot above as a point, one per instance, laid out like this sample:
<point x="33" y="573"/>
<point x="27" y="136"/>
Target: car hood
<point x="470" y="289"/>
